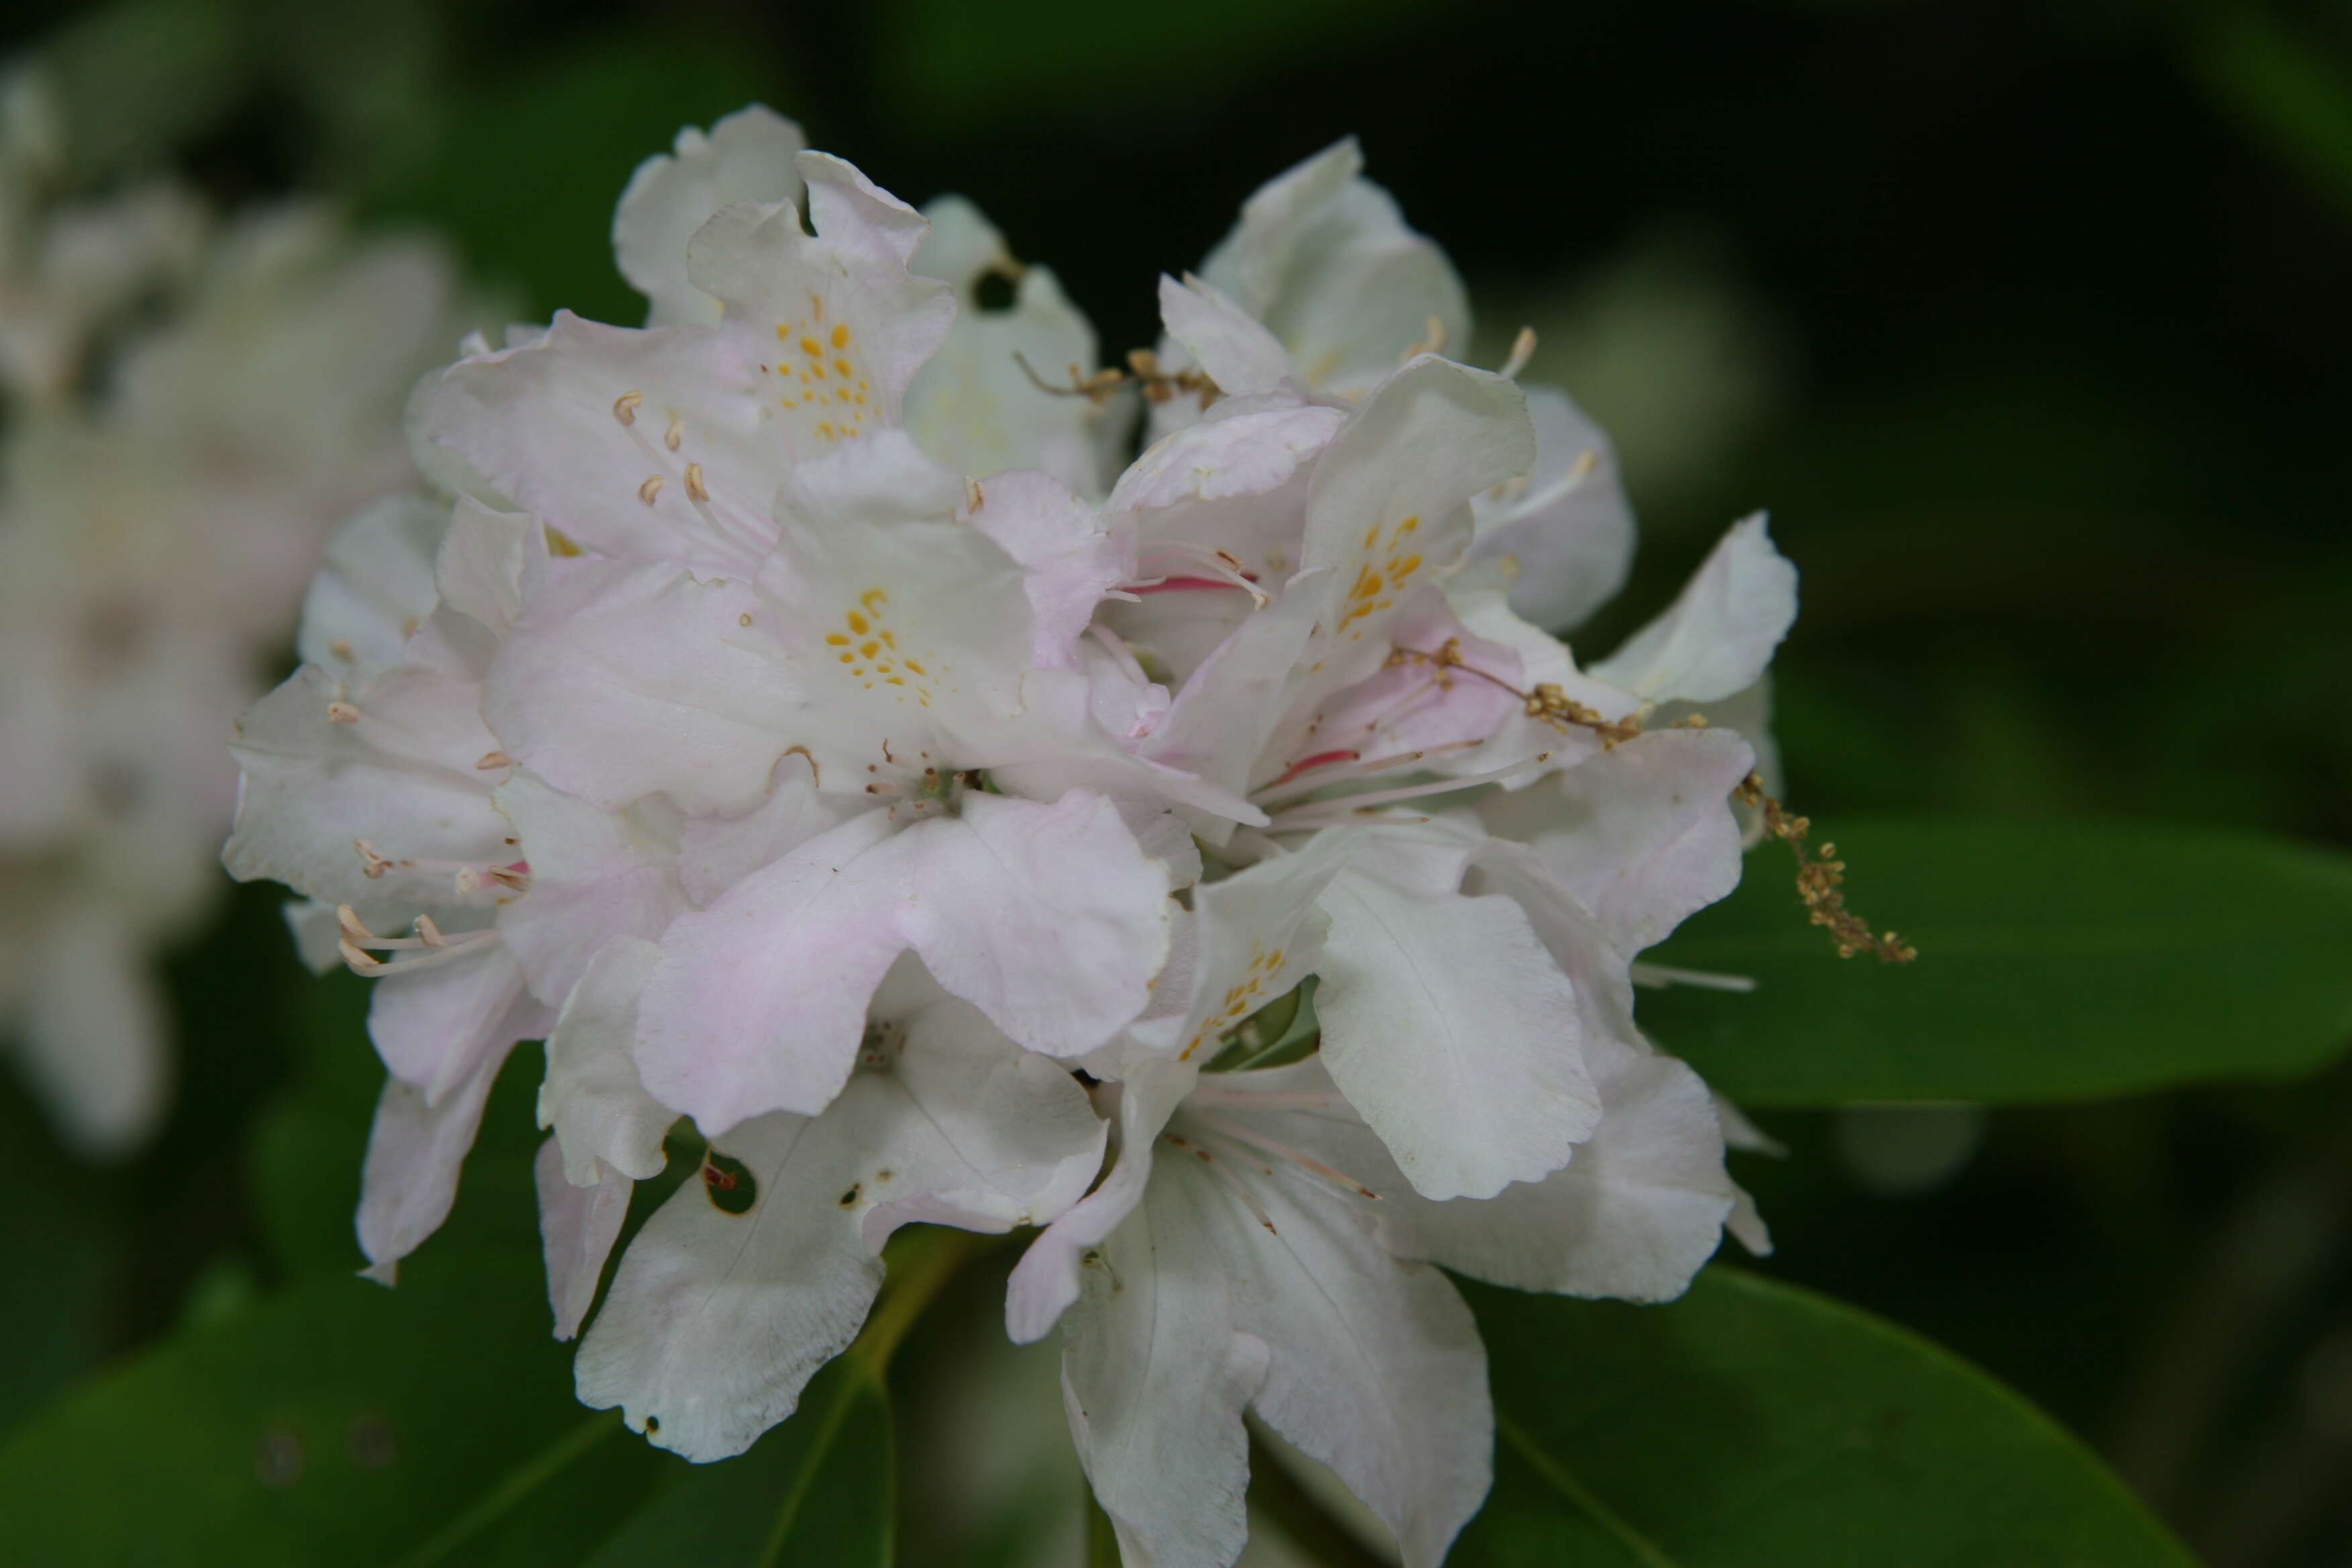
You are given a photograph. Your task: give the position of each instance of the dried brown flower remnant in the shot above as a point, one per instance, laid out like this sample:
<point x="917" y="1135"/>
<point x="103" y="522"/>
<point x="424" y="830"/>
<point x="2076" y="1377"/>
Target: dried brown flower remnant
<point x="1546" y="702"/>
<point x="1142" y="368"/>
<point x="1818" y="875"/>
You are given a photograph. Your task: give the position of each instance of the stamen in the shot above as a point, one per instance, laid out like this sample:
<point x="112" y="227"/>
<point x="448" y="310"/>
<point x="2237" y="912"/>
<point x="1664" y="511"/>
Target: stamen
<point x="1282" y="1151"/>
<point x="1225" y="1096"/>
<point x="1222" y="571"/>
<point x="1433" y="341"/>
<point x="1578" y="472"/>
<point x="341" y="712"/>
<point x="1546" y="702"/>
<point x="1143" y="369"/>
<point x="676" y="433"/>
<point x="1523" y="349"/>
<point x="1321" y="758"/>
<point x="1179" y="1140"/>
<point x="649" y="489"/>
<point x="973" y="496"/>
<point x="352" y="939"/>
<point x="1660" y="975"/>
<point x="1347" y="772"/>
<point x="472" y="879"/>
<point x="624" y="407"/>
<point x="1324" y="812"/>
<point x="694" y="487"/>
<point x="488" y="761"/>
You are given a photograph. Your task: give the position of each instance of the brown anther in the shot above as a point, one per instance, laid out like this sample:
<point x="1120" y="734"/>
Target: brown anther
<point x="342" y="651"/>
<point x="624" y="407"/>
<point x="694" y="487"/>
<point x="1143" y="369"/>
<point x="488" y="761"/>
<point x="1820" y="879"/>
<point x="675" y="433"/>
<point x="341" y="713"/>
<point x="972" y="495"/>
<point x="649" y="489"/>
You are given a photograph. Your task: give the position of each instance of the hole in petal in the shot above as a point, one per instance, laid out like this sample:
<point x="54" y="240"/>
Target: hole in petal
<point x="994" y="291"/>
<point x="728" y="1184"/>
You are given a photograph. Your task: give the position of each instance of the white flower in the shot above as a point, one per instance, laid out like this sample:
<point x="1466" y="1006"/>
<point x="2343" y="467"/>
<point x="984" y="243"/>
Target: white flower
<point x="1337" y="646"/>
<point x="720" y="1313"/>
<point x="157" y="526"/>
<point x="371" y="793"/>
<point x="972" y="407"/>
<point x="1323" y="286"/>
<point x="783" y="729"/>
<point x="1254" y="1248"/>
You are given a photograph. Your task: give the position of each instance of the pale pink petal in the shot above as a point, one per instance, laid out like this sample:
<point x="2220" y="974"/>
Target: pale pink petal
<point x="623" y="680"/>
<point x="745" y="157"/>
<point x="577" y="1227"/>
<point x="594" y="875"/>
<point x="1717" y="636"/>
<point x="415" y="1154"/>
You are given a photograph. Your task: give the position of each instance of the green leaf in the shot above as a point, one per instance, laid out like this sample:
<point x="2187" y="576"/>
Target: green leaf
<point x="821" y="1487"/>
<point x="53" y="1311"/>
<point x="525" y="173"/>
<point x="2056" y="962"/>
<point x="304" y="1159"/>
<point x="339" y="1423"/>
<point x="1750" y="1424"/>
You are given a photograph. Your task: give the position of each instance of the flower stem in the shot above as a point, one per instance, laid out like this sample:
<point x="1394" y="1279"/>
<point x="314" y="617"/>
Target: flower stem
<point x="922" y="1259"/>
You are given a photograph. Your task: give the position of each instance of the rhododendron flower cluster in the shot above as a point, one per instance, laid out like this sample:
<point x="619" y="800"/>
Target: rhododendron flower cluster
<point x="188" y="404"/>
<point x="793" y="712"/>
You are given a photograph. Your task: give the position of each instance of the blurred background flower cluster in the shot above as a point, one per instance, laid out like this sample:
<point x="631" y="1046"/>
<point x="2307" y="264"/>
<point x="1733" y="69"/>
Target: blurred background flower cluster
<point x="2029" y="322"/>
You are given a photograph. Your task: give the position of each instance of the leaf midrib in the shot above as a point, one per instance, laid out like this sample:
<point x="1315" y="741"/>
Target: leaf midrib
<point x="1579" y="1496"/>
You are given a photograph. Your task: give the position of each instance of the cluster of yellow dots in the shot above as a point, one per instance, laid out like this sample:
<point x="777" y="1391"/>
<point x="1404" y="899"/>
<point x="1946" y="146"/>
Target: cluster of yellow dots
<point x="1242" y="998"/>
<point x="819" y="374"/>
<point x="870" y="649"/>
<point x="1376" y="586"/>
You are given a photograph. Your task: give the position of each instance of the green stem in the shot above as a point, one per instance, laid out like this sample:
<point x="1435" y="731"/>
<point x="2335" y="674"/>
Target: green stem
<point x="921" y="1261"/>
